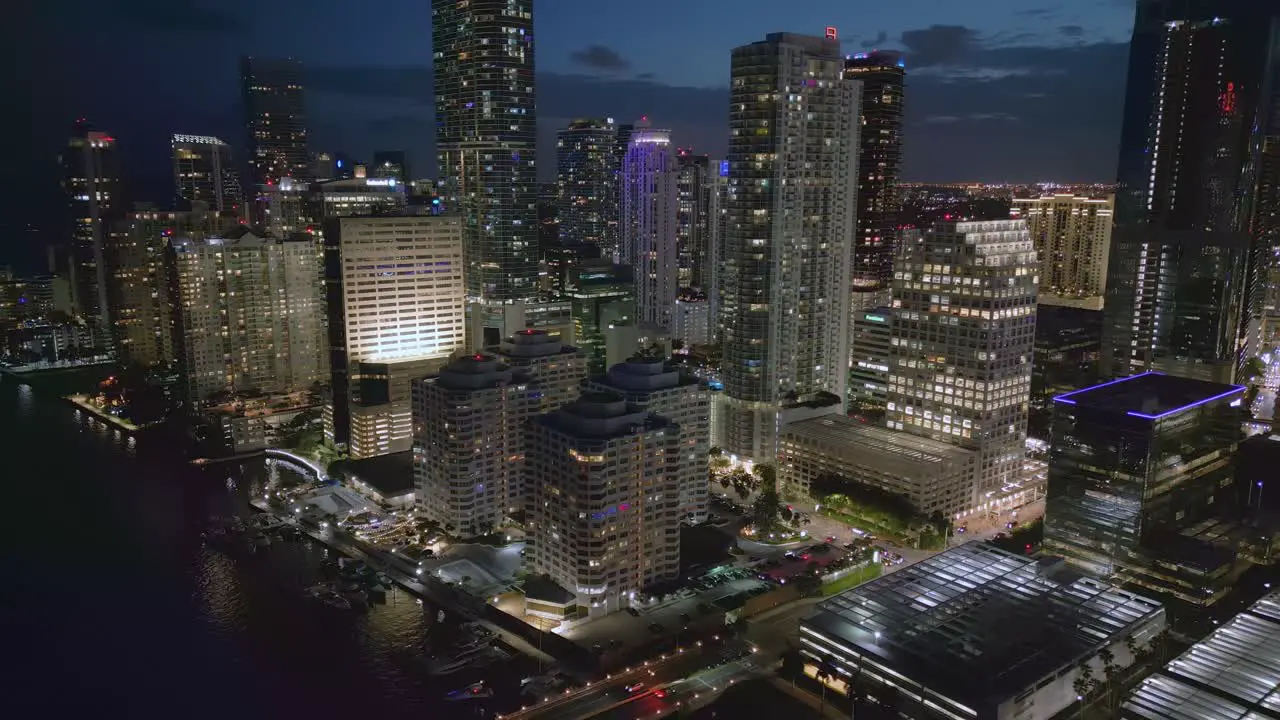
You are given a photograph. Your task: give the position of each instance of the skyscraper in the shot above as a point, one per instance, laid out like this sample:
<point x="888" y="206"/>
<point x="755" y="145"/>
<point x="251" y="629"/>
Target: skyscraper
<point x="964" y="300"/>
<point x="250" y="314"/>
<point x="396" y="312"/>
<point x="276" y="118"/>
<point x="587" y="201"/>
<point x="882" y="74"/>
<point x="792" y="178"/>
<point x="391" y="164"/>
<point x="486" y="140"/>
<point x="203" y="173"/>
<point x="92" y="186"/>
<point x="694" y="188"/>
<point x="648" y="219"/>
<point x="1072" y="235"/>
<point x="1197" y="169"/>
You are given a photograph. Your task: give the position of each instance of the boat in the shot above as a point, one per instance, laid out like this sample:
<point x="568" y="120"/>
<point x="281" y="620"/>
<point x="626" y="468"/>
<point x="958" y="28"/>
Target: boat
<point x="475" y="691"/>
<point x="261" y="540"/>
<point x="466" y="656"/>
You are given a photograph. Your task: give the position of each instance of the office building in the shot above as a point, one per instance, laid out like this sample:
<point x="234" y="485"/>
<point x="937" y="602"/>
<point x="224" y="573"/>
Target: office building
<point x="1195" y="208"/>
<point x="486" y="141"/>
<point x="603" y="295"/>
<point x="603" y="520"/>
<point x="249" y="314"/>
<point x="468" y="443"/>
<point x="396" y="312"/>
<point x="936" y="477"/>
<point x="1072" y="235"/>
<point x="563" y="263"/>
<point x="882" y="74"/>
<point x="276" y="120"/>
<point x="623" y="339"/>
<point x="652" y="383"/>
<point x="1233" y="674"/>
<point x="691" y="318"/>
<point x="586" y="184"/>
<point x="1068" y="346"/>
<point x="559" y="369"/>
<point x="789" y="232"/>
<point x="871" y="351"/>
<point x="649" y="234"/>
<point x="976" y="633"/>
<point x="203" y="172"/>
<point x="297" y="207"/>
<point x="1132" y="463"/>
<point x="91" y="185"/>
<point x="694" y="186"/>
<point x="964" y="302"/>
<point x="139" y="282"/>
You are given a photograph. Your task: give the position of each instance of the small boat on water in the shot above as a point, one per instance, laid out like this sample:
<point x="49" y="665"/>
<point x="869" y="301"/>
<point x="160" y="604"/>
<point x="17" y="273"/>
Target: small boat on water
<point x="475" y="691"/>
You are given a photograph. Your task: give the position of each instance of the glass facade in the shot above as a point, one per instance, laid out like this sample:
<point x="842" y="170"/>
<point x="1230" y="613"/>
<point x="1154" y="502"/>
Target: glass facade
<point x="486" y="139"/>
<point x="790" y="221"/>
<point x="275" y="114"/>
<point x="603" y="295"/>
<point x="92" y="187"/>
<point x="1134" y="462"/>
<point x="693" y="218"/>
<point x="586" y="185"/>
<point x="1197" y="197"/>
<point x="203" y="173"/>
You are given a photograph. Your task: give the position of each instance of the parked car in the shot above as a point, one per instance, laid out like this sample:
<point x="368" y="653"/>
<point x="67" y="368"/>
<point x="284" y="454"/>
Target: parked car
<point x="633" y="612"/>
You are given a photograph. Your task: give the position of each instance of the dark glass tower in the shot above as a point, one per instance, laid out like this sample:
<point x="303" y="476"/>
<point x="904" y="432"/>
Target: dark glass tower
<point x="204" y="173"/>
<point x="486" y="139"/>
<point x="693" y="217"/>
<point x="879" y="167"/>
<point x="1194" y="209"/>
<point x="92" y="187"/>
<point x="586" y="184"/>
<point x="275" y="115"/>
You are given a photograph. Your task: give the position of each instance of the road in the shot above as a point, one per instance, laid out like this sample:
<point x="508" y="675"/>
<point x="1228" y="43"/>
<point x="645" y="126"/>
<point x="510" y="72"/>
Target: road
<point x="694" y="691"/>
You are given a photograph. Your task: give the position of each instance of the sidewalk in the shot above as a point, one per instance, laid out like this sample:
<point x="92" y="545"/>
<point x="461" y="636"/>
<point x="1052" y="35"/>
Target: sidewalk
<point x="824" y="710"/>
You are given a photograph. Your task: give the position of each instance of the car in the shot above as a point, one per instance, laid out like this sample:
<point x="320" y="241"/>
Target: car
<point x="655" y="628"/>
<point x="790" y="554"/>
<point x="962" y="529"/>
<point x="634" y="687"/>
<point x="831" y="539"/>
<point x="685" y="617"/>
<point x="597" y="649"/>
<point x="633" y="612"/>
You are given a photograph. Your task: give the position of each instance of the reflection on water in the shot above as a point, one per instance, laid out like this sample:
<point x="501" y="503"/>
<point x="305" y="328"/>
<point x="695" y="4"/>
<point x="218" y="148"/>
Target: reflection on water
<point x="126" y="608"/>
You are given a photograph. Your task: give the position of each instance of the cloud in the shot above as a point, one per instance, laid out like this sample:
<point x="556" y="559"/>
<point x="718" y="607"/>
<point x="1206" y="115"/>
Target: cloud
<point x="645" y="76"/>
<point x="880" y="39"/>
<point x="1036" y="12"/>
<point x="1071" y="31"/>
<point x="940" y="45"/>
<point x="172" y="16"/>
<point x="599" y="57"/>
<point x="971" y="117"/>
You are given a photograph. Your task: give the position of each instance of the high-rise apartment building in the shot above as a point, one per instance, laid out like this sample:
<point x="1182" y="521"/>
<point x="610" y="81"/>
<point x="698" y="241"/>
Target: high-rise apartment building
<point x="654" y="384"/>
<point x="203" y="172"/>
<point x="964" y="301"/>
<point x="486" y="140"/>
<point x="559" y="369"/>
<point x="249" y="314"/>
<point x="604" y="479"/>
<point x="396" y="312"/>
<point x="1133" y="463"/>
<point x="468" y="443"/>
<point x="586" y="184"/>
<point x="694" y="186"/>
<point x="139" y="282"/>
<point x="882" y="74"/>
<point x="1197" y="191"/>
<point x="789" y="232"/>
<point x="1072" y="235"/>
<point x="92" y="186"/>
<point x="649" y="234"/>
<point x="276" y="119"/>
<point x="691" y="318"/>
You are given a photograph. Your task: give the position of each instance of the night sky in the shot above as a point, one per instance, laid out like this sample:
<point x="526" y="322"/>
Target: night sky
<point x="1015" y="90"/>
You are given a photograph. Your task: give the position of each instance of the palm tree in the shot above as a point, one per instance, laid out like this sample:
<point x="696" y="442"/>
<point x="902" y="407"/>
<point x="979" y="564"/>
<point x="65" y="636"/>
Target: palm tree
<point x="1108" y="669"/>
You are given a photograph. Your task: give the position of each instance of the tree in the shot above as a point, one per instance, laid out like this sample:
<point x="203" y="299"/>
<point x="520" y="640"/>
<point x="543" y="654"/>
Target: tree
<point x="766" y="509"/>
<point x="1108" y="668"/>
<point x="768" y="475"/>
<point x="1253" y="369"/>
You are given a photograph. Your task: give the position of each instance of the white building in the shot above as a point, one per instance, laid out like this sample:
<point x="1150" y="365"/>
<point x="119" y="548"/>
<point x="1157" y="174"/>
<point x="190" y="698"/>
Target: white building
<point x="790" y="221"/>
<point x="603" y="509"/>
<point x="396" y="312"/>
<point x="964" y="300"/>
<point x="249" y="314"/>
<point x="691" y="319"/>
<point x="1072" y="235"/>
<point x="649" y="224"/>
<point x="652" y="384"/>
<point x="559" y="369"/>
<point x="468" y="440"/>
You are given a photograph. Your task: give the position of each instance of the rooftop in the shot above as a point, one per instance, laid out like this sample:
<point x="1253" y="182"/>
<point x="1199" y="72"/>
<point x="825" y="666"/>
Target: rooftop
<point x="1234" y="674"/>
<point x="388" y="474"/>
<point x="979" y="624"/>
<point x="1150" y="395"/>
<point x="860" y="438"/>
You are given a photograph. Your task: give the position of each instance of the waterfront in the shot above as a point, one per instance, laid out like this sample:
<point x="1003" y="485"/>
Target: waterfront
<point x="115" y="603"/>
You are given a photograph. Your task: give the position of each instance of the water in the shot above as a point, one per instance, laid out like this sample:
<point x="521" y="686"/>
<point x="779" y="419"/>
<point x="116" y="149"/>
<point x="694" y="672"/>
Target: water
<point x="114" y="604"/>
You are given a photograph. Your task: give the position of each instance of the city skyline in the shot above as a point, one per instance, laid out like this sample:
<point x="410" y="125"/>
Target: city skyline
<point x="978" y="79"/>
